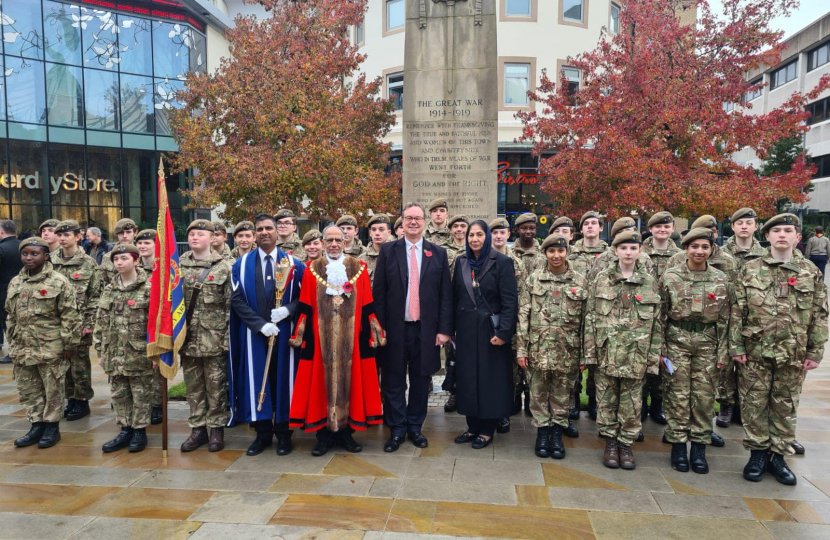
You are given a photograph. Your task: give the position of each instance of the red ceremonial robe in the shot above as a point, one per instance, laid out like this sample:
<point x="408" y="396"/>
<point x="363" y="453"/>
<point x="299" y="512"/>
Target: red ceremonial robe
<point x="337" y="380"/>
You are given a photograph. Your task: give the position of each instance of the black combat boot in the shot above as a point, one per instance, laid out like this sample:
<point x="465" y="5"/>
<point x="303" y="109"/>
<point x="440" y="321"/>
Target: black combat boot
<point x="504" y="425"/>
<point x="717" y="440"/>
<point x="724" y="418"/>
<point x="80" y="410"/>
<point x="755" y="467"/>
<point x="557" y="447"/>
<point x="655" y="410"/>
<point x="698" y="459"/>
<point x="138" y="441"/>
<point x="798" y="447"/>
<point x="640" y="437"/>
<point x="156" y="416"/>
<point x="679" y="458"/>
<point x="69" y="406"/>
<point x="33" y="437"/>
<point x="119" y="442"/>
<point x="543" y="442"/>
<point x="779" y="469"/>
<point x="51" y="435"/>
<point x="571" y="430"/>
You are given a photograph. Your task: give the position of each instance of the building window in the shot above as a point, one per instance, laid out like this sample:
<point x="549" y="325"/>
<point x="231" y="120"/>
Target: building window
<point x="753" y="94"/>
<point x="517" y="8"/>
<point x="614" y="25"/>
<point x="516" y="84"/>
<point x="394" y="85"/>
<point x="728" y="106"/>
<point x="818" y="111"/>
<point x="823" y="165"/>
<point x="574" y="77"/>
<point x="818" y="57"/>
<point x="572" y="10"/>
<point x="394" y="14"/>
<point x="359" y="33"/>
<point x="783" y="75"/>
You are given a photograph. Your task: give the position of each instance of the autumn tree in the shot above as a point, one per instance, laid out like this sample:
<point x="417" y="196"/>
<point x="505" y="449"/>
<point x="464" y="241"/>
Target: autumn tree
<point x="648" y="129"/>
<point x="285" y="122"/>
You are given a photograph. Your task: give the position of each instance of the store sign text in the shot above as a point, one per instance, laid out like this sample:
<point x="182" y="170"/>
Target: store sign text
<point x="505" y="178"/>
<point x="67" y="182"/>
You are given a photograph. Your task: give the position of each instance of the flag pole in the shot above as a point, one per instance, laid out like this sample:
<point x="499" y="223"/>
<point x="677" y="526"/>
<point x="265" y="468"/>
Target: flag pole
<point x="164" y="387"/>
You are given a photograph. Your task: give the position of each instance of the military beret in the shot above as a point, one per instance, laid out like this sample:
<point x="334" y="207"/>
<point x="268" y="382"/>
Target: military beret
<point x="243" y="226"/>
<point x="68" y="225"/>
<point x="660" y="217"/>
<point x="704" y="221"/>
<point x="527" y="217"/>
<point x="622" y="223"/>
<point x="564" y="221"/>
<point x="781" y="219"/>
<point x="554" y="240"/>
<point x="700" y="233"/>
<point x="628" y="237"/>
<point x="378" y="218"/>
<point x="200" y="225"/>
<point x="35" y="241"/>
<point x="744" y="213"/>
<point x="120" y="249"/>
<point x="398" y="223"/>
<point x="499" y="223"/>
<point x="456" y="218"/>
<point x="588" y="215"/>
<point x="48" y="223"/>
<point x="440" y="202"/>
<point x="284" y="213"/>
<point x="124" y="225"/>
<point x="312" y="235"/>
<point x="146" y="234"/>
<point x="219" y="226"/>
<point x="346" y="220"/>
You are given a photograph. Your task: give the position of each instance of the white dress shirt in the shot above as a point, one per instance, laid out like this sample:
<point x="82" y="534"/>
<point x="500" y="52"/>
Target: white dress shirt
<point x="419" y="255"/>
<point x="274" y="261"/>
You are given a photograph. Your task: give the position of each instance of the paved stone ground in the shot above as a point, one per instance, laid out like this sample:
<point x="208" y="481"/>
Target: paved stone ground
<point x="446" y="490"/>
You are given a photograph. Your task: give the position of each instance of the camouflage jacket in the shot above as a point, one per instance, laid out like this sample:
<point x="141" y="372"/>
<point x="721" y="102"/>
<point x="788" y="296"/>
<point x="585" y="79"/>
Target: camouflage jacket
<point x="106" y="271"/>
<point x="148" y="268"/>
<point x="532" y="258"/>
<point x="704" y="297"/>
<point x="609" y="259"/>
<point x="294" y="247"/>
<point x="235" y="252"/>
<point x="357" y="250"/>
<point x="719" y="258"/>
<point x="624" y="324"/>
<point x="780" y="311"/>
<point x="583" y="258"/>
<point x="82" y="272"/>
<point x="551" y="313"/>
<point x="742" y="256"/>
<point x="370" y="257"/>
<point x="208" y="331"/>
<point x="43" y="318"/>
<point x="121" y="328"/>
<point x="439" y="237"/>
<point x="453" y="252"/>
<point x="225" y="253"/>
<point x="659" y="257"/>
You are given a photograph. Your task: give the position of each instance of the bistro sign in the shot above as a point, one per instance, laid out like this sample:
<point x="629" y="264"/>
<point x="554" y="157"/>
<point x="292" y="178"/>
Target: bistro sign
<point x="67" y="182"/>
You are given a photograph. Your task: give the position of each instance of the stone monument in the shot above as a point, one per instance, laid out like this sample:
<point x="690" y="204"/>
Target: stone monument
<point x="450" y="111"/>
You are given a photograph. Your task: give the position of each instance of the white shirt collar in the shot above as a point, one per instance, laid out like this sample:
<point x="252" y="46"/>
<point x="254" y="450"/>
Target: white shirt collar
<point x="419" y="243"/>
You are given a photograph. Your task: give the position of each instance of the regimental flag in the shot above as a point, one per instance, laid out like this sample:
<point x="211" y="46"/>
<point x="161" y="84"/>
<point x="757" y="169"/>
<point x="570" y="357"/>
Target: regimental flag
<point x="166" y="324"/>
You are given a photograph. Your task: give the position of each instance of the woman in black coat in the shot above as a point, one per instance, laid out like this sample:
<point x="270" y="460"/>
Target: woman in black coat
<point x="484" y="284"/>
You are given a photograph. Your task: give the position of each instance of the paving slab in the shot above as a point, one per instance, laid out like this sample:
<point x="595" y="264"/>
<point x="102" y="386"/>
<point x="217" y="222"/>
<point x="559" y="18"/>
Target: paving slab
<point x="76" y="476"/>
<point x="136" y="529"/>
<point x="209" y="480"/>
<point x="797" y="531"/>
<point x="614" y="525"/>
<point x="439" y="490"/>
<point x="498" y="472"/>
<point x="251" y="508"/>
<point x="640" y="502"/>
<point x="732" y="484"/>
<point x="677" y="504"/>
<point x="38" y="526"/>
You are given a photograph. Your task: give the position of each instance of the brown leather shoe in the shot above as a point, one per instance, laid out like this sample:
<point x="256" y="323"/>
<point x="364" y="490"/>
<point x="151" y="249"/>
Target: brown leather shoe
<point x="198" y="437"/>
<point x="626" y="457"/>
<point x="217" y="439"/>
<point x="611" y="457"/>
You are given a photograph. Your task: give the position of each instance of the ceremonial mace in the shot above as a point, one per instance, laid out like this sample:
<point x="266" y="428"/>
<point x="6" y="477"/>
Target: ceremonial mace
<point x="281" y="273"/>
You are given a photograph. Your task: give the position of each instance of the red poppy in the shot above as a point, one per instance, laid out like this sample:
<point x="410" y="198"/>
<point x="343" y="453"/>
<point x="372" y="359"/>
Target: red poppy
<point x="43" y="292"/>
<point x="347" y="288"/>
<point x="210" y="278"/>
<point x="573" y="291"/>
<point x="76" y="276"/>
<point x="130" y="302"/>
<point x="638" y="297"/>
<point x="791" y="281"/>
<point x="711" y="296"/>
<point x="428" y="253"/>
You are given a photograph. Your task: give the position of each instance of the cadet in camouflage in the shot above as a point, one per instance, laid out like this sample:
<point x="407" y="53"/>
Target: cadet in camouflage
<point x="121" y="341"/>
<point x="720" y="259"/>
<point x="352" y="244"/>
<point x="145" y="241"/>
<point x="287" y="238"/>
<point x="219" y="244"/>
<point x="243" y="237"/>
<point x="777" y="333"/>
<point x="313" y="245"/>
<point x="437" y="230"/>
<point x="47" y="232"/>
<point x="526" y="248"/>
<point x="44" y="329"/>
<point x="608" y="259"/>
<point x="696" y="304"/>
<point x="125" y="231"/>
<point x="379" y="231"/>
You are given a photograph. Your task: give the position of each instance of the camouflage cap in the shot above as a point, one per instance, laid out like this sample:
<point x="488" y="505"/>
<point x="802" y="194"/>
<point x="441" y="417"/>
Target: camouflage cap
<point x="704" y="221"/>
<point x="146" y="234"/>
<point x="700" y="233"/>
<point x="243" y="226"/>
<point x="620" y="224"/>
<point x="499" y="223"/>
<point x="743" y="213"/>
<point x="440" y="202"/>
<point x="527" y="217"/>
<point x="627" y="237"/>
<point x="660" y="217"/>
<point x="284" y="213"/>
<point x="346" y="220"/>
<point x="34" y="241"/>
<point x="458" y="218"/>
<point x="781" y="219"/>
<point x="398" y="223"/>
<point x="563" y="221"/>
<point x="554" y="240"/>
<point x="68" y="225"/>
<point x="220" y="227"/>
<point x="312" y="235"/>
<point x="200" y="225"/>
<point x="588" y="215"/>
<point x="377" y="219"/>
<point x="48" y="223"/>
<point x="120" y="249"/>
<point x="124" y="225"/>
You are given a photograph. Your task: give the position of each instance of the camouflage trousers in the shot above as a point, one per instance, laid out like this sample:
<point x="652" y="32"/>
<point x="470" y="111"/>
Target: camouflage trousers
<point x="690" y="392"/>
<point x="619" y="402"/>
<point x="41" y="389"/>
<point x="206" y="387"/>
<point x="770" y="390"/>
<point x="79" y="375"/>
<point x="131" y="397"/>
<point x="158" y="383"/>
<point x="550" y="396"/>
<point x="727" y="384"/>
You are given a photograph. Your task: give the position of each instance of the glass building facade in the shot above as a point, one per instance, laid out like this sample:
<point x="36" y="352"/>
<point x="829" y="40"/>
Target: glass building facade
<point x="85" y="96"/>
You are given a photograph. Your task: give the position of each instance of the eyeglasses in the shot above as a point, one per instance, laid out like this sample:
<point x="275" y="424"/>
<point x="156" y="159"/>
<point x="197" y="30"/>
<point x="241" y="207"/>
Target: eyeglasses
<point x="333" y="240"/>
<point x="284" y="223"/>
<point x="413" y="218"/>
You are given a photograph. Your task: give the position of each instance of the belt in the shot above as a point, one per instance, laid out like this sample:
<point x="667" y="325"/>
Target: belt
<point x="692" y="326"/>
<point x="412" y="322"/>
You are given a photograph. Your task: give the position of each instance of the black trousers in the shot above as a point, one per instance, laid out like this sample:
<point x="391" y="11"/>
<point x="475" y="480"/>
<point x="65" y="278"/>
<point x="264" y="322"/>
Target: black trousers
<point x="482" y="426"/>
<point x="400" y="416"/>
<point x="265" y="428"/>
<point x="331" y="437"/>
<point x="820" y="261"/>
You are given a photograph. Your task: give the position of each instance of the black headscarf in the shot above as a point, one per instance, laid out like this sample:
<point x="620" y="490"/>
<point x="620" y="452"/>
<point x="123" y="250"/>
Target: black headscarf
<point x="476" y="264"/>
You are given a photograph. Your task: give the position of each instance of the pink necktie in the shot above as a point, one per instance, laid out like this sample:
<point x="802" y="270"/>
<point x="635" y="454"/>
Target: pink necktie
<point x="414" y="284"/>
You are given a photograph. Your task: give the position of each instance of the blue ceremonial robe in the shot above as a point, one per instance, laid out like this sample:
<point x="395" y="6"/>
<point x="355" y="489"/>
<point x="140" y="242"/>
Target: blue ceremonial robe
<point x="250" y="311"/>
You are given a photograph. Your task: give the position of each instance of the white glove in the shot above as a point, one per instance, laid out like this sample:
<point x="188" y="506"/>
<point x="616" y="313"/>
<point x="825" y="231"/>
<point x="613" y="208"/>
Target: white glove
<point x="279" y="314"/>
<point x="270" y="330"/>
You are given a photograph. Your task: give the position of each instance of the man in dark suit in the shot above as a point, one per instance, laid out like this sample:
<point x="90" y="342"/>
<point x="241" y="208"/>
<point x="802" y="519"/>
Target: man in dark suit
<point x="10" y="265"/>
<point x="413" y="302"/>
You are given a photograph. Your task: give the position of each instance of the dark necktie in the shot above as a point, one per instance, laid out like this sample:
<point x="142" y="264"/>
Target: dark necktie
<point x="270" y="286"/>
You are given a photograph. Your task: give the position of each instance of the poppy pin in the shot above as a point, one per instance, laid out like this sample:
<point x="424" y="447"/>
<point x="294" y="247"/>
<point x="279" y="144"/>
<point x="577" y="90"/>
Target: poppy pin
<point x="711" y="296"/>
<point x="428" y="253"/>
<point x="130" y="302"/>
<point x="210" y="278"/>
<point x="43" y="292"/>
<point x="573" y="291"/>
<point x="638" y="297"/>
<point x="791" y="281"/>
<point x="347" y="287"/>
<point x="76" y="276"/>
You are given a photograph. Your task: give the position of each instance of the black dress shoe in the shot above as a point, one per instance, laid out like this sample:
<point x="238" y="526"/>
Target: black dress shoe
<point x="465" y="437"/>
<point x="503" y="426"/>
<point x="755" y="467"/>
<point x="418" y="439"/>
<point x="258" y="446"/>
<point x="138" y="442"/>
<point x="798" y="447"/>
<point x="80" y="410"/>
<point x="122" y="440"/>
<point x="156" y="416"/>
<point x="33" y="437"/>
<point x="393" y="443"/>
<point x="452" y="404"/>
<point x="717" y="440"/>
<point x="779" y="469"/>
<point x="353" y="446"/>
<point x="573" y="414"/>
<point x="284" y="445"/>
<point x="571" y="430"/>
<point x="480" y="442"/>
<point x="321" y="448"/>
<point x="51" y="436"/>
<point x="640" y="437"/>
